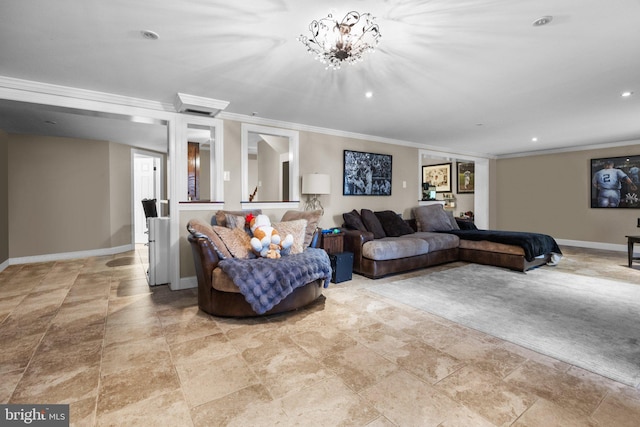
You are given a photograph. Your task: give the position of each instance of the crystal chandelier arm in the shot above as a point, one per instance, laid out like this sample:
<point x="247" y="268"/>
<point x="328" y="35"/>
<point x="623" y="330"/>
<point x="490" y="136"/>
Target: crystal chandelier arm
<point x="351" y="18"/>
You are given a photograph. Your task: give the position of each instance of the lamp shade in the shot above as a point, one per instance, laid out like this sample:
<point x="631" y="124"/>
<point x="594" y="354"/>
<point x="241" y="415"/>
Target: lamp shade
<point x="316" y="183"/>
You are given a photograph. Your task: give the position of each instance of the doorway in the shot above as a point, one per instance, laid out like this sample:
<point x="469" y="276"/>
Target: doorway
<point x="147" y="173"/>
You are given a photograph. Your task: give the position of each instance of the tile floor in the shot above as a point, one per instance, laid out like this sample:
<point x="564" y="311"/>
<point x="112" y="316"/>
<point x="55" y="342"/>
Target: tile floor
<point x="91" y="333"/>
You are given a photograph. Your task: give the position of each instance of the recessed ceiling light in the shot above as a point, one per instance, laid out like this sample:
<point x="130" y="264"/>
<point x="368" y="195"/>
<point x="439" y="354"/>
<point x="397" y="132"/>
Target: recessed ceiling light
<point x="534" y="139"/>
<point x="368" y="94"/>
<point x="543" y="20"/>
<point x="626" y="94"/>
<point x="150" y="35"/>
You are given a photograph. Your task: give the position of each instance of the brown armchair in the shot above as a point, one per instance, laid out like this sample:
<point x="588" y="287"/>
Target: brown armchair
<point x="217" y="295"/>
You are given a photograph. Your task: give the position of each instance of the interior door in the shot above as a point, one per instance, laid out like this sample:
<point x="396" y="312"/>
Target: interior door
<point x="144" y="188"/>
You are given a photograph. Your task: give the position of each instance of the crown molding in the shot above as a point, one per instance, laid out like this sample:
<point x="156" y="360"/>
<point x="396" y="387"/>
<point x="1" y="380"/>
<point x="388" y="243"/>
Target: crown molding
<point x="40" y="88"/>
<point x="340" y="133"/>
<point x="83" y="94"/>
<point x="571" y="149"/>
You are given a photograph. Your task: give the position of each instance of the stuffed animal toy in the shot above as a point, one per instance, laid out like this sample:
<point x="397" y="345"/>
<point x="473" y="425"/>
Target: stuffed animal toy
<point x="273" y="252"/>
<point x="264" y="235"/>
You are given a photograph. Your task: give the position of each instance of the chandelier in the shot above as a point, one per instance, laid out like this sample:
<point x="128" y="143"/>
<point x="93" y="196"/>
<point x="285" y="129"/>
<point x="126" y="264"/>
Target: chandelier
<point x="335" y="42"/>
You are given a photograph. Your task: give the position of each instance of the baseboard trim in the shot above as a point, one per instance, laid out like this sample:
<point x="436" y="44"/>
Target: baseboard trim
<point x="4" y="265"/>
<point x="593" y="245"/>
<point x="71" y="255"/>
<point x="185" y="283"/>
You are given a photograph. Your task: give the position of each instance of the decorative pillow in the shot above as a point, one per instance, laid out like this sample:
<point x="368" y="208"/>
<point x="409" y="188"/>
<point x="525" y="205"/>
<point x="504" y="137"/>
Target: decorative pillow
<point x="353" y="221"/>
<point x="465" y="224"/>
<point x="312" y="217"/>
<point x="235" y="221"/>
<point x="200" y="226"/>
<point x="432" y="218"/>
<point x="372" y="223"/>
<point x="393" y="224"/>
<point x="297" y="228"/>
<point x="236" y="240"/>
<point x="220" y="216"/>
<point x="452" y="220"/>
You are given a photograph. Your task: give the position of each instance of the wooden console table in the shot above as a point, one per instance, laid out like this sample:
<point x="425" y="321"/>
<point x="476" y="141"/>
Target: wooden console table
<point x="630" y="241"/>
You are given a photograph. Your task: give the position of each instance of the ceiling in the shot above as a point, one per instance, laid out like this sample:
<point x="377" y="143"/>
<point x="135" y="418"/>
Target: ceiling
<point x="467" y="76"/>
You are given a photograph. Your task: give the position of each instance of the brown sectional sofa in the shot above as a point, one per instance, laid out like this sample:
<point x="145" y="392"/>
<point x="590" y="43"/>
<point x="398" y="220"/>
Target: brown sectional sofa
<point x="395" y="245"/>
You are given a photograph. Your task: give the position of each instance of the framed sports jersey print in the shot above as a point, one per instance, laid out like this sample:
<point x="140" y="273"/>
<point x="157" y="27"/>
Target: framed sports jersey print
<point x="466" y="177"/>
<point x="615" y="182"/>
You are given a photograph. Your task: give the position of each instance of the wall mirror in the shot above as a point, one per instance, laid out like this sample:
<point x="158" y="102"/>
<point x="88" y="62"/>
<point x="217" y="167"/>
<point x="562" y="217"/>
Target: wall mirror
<point x="269" y="164"/>
<point x="202" y="153"/>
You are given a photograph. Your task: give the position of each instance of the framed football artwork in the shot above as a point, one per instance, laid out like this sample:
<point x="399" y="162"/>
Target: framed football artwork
<point x="366" y="174"/>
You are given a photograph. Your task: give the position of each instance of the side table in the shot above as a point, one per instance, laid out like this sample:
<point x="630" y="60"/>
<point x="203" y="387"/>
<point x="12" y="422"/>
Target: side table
<point x="332" y="243"/>
<point x="341" y="262"/>
<point x="630" y="241"/>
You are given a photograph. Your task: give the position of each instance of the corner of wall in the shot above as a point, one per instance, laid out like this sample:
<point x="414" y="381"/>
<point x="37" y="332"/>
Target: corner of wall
<point x="4" y="198"/>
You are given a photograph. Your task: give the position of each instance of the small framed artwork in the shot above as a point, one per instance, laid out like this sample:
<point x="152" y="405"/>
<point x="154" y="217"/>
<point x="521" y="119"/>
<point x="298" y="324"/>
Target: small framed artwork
<point x="615" y="182"/>
<point x="438" y="176"/>
<point x="366" y="174"/>
<point x="466" y="177"/>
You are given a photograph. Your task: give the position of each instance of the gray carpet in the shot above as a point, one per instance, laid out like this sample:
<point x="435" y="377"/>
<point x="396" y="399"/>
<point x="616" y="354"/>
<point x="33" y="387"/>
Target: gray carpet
<point x="589" y="322"/>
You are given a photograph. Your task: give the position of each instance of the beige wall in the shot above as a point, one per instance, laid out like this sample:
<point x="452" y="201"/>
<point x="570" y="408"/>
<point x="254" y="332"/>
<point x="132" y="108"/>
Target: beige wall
<point x="325" y="154"/>
<point x="67" y="195"/>
<point x="4" y="196"/>
<point x="551" y="194"/>
<point x="120" y="179"/>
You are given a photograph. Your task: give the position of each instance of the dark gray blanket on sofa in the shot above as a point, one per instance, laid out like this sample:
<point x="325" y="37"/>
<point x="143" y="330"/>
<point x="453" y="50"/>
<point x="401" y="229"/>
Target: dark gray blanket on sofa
<point x="265" y="282"/>
<point x="533" y="244"/>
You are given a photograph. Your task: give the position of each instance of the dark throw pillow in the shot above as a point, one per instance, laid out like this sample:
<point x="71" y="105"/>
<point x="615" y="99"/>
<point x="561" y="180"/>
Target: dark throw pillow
<point x="372" y="223"/>
<point x="353" y="221"/>
<point x="465" y="224"/>
<point x="393" y="224"/>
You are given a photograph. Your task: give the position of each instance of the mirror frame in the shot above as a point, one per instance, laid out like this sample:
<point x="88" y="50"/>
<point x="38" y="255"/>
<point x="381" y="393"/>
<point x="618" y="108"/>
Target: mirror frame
<point x="216" y="156"/>
<point x="294" y="165"/>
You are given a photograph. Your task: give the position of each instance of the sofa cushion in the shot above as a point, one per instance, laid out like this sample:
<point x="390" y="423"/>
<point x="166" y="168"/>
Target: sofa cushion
<point x="353" y="221"/>
<point x="394" y="248"/>
<point x="222" y="282"/>
<point x="372" y="223"/>
<point x="297" y="229"/>
<point x="452" y="220"/>
<point x="202" y="227"/>
<point x="393" y="224"/>
<point x="432" y="218"/>
<point x="312" y="217"/>
<point x="437" y="241"/>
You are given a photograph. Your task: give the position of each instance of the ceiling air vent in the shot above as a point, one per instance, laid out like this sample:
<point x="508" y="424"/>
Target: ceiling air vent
<point x="191" y="104"/>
